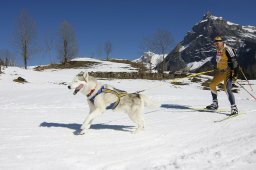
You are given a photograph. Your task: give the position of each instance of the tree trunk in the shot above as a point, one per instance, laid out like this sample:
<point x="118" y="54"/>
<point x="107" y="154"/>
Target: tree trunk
<point x="150" y="66"/>
<point x="163" y="63"/>
<point x="25" y="54"/>
<point x="6" y="62"/>
<point x="65" y="52"/>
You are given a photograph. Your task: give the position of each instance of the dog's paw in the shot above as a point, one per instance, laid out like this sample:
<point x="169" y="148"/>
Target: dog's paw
<point x="83" y="127"/>
<point x="82" y="132"/>
<point x="77" y="132"/>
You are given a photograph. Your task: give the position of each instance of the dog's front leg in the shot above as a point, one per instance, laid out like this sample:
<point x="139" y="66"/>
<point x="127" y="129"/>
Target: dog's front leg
<point x="87" y="123"/>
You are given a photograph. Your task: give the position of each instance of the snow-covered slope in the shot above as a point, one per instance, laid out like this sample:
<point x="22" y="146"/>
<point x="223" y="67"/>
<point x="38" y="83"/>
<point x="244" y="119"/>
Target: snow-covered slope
<point x="150" y="59"/>
<point x="39" y="118"/>
<point x="107" y="66"/>
<point x="197" y="64"/>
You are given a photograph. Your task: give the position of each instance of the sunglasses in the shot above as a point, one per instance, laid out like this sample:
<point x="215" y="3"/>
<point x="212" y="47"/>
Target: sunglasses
<point x="217" y="42"/>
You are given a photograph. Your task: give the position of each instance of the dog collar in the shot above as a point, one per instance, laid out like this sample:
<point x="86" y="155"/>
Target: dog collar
<point x="89" y="94"/>
<point x="98" y="92"/>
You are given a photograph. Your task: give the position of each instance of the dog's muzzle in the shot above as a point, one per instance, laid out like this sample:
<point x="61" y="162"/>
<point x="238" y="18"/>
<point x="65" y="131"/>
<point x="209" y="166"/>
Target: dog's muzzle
<point x="77" y="89"/>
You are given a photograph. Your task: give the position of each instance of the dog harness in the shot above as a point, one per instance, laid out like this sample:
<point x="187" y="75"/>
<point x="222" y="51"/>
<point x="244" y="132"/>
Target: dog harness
<point x="104" y="89"/>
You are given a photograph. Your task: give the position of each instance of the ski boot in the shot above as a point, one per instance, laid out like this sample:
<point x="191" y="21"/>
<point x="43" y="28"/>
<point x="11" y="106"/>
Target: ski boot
<point x="213" y="106"/>
<point x="234" y="110"/>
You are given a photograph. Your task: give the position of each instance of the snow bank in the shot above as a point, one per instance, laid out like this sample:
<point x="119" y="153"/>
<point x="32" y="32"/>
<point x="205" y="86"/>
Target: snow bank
<point x="39" y="119"/>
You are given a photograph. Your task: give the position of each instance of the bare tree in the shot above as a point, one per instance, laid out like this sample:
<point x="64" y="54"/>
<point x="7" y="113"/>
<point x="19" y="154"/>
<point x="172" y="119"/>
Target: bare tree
<point x="67" y="46"/>
<point x="108" y="49"/>
<point x="25" y="35"/>
<point x="49" y="46"/>
<point x="159" y="43"/>
<point x="7" y="58"/>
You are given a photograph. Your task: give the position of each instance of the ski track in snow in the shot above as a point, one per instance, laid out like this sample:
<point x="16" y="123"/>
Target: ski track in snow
<point x="40" y="120"/>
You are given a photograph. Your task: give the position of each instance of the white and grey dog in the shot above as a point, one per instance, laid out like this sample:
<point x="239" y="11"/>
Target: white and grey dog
<point x="103" y="97"/>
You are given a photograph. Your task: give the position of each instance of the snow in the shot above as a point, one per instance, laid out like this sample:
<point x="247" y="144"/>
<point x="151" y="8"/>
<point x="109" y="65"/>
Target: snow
<point x="107" y="66"/>
<point x="216" y="18"/>
<point x="202" y="21"/>
<point x="248" y="35"/>
<point x="231" y="23"/>
<point x="182" y="48"/>
<point x="148" y="57"/>
<point x="232" y="39"/>
<point x="87" y="59"/>
<point x="251" y="29"/>
<point x="250" y="32"/>
<point x="197" y="64"/>
<point x="211" y="17"/>
<point x="39" y="118"/>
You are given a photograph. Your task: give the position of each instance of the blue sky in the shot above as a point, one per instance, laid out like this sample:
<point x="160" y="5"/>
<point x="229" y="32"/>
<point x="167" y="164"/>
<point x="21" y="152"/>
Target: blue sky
<point x="123" y="22"/>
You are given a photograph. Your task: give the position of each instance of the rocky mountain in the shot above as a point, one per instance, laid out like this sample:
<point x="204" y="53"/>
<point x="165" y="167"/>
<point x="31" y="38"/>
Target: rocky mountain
<point x="150" y="59"/>
<point x="197" y="53"/>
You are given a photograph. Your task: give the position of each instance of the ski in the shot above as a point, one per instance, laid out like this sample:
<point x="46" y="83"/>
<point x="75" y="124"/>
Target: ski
<point x="228" y="117"/>
<point x="207" y="110"/>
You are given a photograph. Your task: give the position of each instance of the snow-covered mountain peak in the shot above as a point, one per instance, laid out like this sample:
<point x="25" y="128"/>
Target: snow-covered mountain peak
<point x="150" y="59"/>
<point x="197" y="45"/>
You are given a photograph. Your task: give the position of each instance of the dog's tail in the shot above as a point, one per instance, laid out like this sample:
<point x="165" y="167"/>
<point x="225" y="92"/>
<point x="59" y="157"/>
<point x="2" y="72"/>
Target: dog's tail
<point x="148" y="102"/>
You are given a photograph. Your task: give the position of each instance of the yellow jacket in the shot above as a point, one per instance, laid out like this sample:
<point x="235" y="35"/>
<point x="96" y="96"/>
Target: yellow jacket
<point x="223" y="57"/>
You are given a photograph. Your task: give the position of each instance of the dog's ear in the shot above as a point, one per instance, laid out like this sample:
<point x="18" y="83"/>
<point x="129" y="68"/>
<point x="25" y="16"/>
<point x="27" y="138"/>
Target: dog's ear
<point x="86" y="77"/>
<point x="81" y="73"/>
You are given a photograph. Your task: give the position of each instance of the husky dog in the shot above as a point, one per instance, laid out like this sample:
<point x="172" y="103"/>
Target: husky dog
<point x="103" y="97"/>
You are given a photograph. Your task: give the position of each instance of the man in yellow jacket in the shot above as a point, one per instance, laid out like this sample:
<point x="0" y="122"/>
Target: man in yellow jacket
<point x="227" y="69"/>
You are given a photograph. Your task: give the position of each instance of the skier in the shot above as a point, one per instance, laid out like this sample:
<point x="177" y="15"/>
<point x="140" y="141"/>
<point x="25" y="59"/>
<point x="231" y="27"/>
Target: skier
<point x="227" y="69"/>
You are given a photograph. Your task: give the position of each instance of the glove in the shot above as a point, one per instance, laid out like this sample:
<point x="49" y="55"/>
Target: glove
<point x="233" y="75"/>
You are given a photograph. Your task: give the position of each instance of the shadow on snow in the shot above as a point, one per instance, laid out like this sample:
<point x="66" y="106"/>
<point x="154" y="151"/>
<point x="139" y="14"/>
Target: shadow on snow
<point x="185" y="107"/>
<point x="76" y="126"/>
<point x="174" y="106"/>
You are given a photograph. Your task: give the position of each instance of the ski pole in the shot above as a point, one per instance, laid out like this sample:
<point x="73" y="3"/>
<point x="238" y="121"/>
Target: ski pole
<point x="246" y="90"/>
<point x="245" y="78"/>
